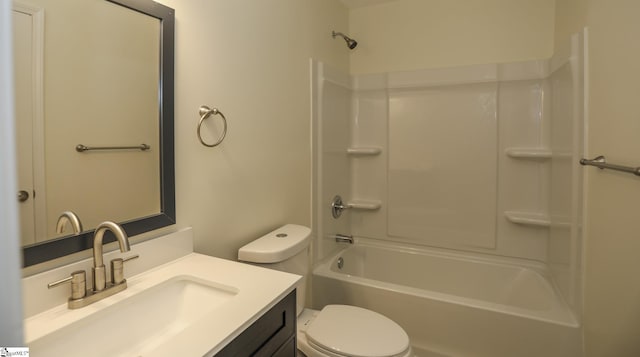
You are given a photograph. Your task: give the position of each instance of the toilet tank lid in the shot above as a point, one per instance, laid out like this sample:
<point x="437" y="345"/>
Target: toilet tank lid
<point x="276" y="246"/>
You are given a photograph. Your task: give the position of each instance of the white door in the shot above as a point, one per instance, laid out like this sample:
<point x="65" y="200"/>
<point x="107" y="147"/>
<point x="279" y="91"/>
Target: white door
<point x="28" y="57"/>
<point x="23" y="58"/>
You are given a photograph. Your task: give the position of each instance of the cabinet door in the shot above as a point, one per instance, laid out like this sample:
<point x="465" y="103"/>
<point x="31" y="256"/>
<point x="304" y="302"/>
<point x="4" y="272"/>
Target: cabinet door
<point x="289" y="349"/>
<point x="273" y="334"/>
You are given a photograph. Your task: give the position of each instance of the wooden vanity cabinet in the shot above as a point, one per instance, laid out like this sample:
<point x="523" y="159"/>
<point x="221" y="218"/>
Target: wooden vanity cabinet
<point x="273" y="334"/>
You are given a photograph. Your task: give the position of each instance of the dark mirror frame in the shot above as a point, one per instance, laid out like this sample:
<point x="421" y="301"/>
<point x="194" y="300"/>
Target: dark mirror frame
<point x="60" y="247"/>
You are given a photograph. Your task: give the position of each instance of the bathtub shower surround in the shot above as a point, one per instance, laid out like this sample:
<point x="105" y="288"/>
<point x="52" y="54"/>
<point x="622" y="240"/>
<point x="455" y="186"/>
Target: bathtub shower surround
<point x="481" y="160"/>
<point x="442" y="164"/>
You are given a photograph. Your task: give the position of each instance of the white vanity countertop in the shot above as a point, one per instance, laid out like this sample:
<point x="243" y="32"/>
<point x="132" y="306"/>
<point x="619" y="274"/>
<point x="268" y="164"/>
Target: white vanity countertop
<point x="255" y="290"/>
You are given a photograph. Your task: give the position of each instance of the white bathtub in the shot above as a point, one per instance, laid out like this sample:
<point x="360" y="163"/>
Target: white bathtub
<point x="453" y="304"/>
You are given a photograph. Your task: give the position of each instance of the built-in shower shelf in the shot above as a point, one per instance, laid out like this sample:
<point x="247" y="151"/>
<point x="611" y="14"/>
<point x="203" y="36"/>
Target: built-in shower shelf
<point x="365" y="205"/>
<point x="563" y="225"/>
<point x="529" y="153"/>
<point x="528" y="218"/>
<point x="364" y="151"/>
<point x="563" y="155"/>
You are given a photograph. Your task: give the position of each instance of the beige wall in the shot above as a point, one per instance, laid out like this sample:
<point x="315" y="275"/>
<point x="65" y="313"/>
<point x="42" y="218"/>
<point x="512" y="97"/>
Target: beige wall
<point x="418" y="34"/>
<point x="250" y="59"/>
<point x="612" y="284"/>
<point x="570" y="18"/>
<point x="612" y="315"/>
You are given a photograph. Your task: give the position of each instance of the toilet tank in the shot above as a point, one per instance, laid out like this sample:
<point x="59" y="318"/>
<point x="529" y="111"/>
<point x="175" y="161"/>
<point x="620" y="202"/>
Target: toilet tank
<point x="284" y="249"/>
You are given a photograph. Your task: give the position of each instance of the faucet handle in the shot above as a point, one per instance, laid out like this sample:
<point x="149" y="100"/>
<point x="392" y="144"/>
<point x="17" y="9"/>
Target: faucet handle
<point x="78" y="280"/>
<point x="117" y="268"/>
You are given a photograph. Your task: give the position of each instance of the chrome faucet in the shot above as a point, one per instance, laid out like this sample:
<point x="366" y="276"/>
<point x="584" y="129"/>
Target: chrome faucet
<point x="72" y="219"/>
<point x="80" y="295"/>
<point x="99" y="270"/>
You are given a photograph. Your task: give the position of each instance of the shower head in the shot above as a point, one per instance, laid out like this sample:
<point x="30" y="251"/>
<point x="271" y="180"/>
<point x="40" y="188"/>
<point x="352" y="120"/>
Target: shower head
<point x="351" y="43"/>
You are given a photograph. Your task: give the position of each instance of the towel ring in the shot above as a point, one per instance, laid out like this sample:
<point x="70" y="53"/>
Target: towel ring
<point x="206" y="112"/>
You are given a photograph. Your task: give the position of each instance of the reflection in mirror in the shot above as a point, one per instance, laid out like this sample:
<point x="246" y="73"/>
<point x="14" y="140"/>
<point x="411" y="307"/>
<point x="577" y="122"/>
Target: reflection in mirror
<point x="105" y="72"/>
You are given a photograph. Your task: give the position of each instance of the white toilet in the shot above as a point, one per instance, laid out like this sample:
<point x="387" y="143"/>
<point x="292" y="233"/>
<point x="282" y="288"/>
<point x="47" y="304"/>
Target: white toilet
<point x="336" y="330"/>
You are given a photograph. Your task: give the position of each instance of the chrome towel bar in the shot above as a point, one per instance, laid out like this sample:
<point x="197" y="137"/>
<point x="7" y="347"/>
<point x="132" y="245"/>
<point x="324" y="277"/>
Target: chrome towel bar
<point x="83" y="148"/>
<point x="601" y="163"/>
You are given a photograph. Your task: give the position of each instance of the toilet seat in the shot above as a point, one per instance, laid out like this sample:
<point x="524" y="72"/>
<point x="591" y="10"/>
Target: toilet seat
<point x="343" y="330"/>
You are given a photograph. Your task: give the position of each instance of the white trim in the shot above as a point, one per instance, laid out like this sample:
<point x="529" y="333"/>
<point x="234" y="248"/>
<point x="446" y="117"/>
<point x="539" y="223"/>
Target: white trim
<point x="584" y="233"/>
<point x="11" y="324"/>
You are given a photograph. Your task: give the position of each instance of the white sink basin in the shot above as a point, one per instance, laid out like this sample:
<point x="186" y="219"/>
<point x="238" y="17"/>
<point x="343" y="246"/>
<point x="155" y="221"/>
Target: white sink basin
<point x="138" y="324"/>
<point x="191" y="306"/>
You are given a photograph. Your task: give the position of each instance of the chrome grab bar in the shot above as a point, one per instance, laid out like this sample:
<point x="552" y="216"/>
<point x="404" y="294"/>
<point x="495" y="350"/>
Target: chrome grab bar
<point x="83" y="148"/>
<point x="601" y="163"/>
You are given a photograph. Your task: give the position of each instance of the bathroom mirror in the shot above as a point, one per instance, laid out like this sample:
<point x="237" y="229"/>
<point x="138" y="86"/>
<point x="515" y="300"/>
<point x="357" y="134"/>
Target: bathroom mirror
<point x="108" y="82"/>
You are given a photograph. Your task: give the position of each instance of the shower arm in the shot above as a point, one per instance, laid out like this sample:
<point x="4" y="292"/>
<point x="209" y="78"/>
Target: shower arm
<point x="351" y="43"/>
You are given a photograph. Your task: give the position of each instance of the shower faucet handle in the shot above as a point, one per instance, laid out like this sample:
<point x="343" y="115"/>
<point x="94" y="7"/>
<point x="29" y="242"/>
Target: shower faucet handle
<point x="337" y="206"/>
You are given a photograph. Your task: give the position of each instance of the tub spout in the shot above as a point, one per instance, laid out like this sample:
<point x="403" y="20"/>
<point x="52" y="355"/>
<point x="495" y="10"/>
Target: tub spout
<point x="343" y="238"/>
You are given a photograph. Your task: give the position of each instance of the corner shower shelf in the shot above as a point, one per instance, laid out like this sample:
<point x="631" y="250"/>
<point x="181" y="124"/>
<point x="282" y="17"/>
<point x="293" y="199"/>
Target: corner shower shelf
<point x="528" y="218"/>
<point x="364" y="151"/>
<point x="529" y="153"/>
<point x="366" y="205"/>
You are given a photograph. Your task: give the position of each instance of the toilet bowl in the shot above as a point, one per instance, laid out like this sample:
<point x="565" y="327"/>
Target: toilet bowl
<point x="336" y="330"/>
<point x="343" y="330"/>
